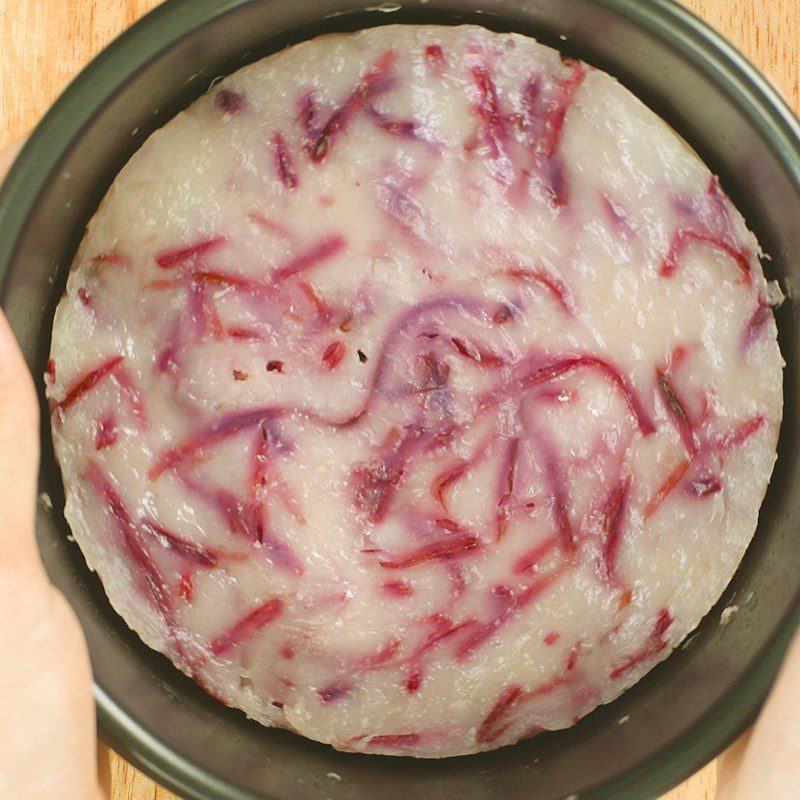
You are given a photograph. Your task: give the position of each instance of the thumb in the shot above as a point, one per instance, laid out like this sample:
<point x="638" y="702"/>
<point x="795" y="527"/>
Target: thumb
<point x="19" y="440"/>
<point x="19" y="456"/>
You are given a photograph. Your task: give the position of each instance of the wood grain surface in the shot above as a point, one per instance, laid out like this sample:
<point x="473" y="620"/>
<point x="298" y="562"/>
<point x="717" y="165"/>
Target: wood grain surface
<point x="44" y="43"/>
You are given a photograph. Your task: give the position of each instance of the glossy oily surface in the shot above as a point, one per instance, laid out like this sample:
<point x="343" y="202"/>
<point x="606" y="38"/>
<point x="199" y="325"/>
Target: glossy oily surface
<point x="429" y="399"/>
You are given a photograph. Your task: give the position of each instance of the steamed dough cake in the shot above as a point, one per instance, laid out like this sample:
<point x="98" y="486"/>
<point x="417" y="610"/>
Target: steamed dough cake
<point x="415" y="389"/>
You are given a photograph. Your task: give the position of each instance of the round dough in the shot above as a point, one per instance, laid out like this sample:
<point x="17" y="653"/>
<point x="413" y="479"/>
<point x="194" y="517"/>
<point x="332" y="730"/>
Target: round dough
<point x="415" y="389"/>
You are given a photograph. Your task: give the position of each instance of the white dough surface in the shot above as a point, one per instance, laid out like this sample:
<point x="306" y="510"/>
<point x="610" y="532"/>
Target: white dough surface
<point x="415" y="389"/>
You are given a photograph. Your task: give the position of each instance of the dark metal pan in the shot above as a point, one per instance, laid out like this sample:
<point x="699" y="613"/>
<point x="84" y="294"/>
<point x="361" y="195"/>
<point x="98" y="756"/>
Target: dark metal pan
<point x="681" y="714"/>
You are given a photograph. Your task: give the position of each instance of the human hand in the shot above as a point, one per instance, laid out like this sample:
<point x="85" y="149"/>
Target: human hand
<point x="47" y="725"/>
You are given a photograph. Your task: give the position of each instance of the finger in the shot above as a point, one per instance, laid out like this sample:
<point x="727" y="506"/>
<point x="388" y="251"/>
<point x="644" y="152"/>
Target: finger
<point x="770" y="768"/>
<point x="19" y="456"/>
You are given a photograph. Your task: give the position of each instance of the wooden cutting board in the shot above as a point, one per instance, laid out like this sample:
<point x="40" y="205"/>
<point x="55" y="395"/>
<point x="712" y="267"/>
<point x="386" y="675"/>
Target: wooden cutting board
<point x="44" y="44"/>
